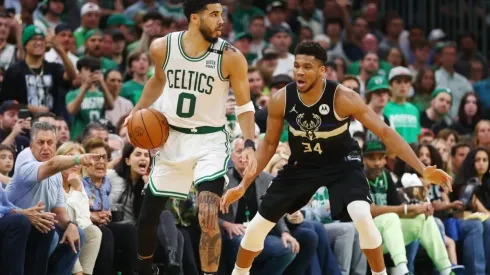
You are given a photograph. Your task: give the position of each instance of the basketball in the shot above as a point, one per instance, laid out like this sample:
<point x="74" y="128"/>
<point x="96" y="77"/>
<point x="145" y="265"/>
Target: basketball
<point x="148" y="129"/>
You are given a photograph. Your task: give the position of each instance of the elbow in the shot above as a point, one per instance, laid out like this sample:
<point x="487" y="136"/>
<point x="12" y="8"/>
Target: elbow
<point x="71" y="110"/>
<point x="110" y="106"/>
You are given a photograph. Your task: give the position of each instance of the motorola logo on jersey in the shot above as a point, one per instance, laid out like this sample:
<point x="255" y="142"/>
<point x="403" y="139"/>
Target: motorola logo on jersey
<point x="309" y="126"/>
<point x="190" y="80"/>
<point x="324" y="109"/>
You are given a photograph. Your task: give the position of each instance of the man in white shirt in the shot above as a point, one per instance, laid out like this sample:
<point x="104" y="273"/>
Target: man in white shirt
<point x="281" y="39"/>
<point x="64" y="35"/>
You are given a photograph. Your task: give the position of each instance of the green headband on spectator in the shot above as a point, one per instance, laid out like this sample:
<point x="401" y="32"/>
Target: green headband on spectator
<point x="93" y="32"/>
<point x="29" y="32"/>
<point x="441" y="90"/>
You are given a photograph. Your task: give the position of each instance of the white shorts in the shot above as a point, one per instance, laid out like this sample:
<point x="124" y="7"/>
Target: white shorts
<point x="186" y="159"/>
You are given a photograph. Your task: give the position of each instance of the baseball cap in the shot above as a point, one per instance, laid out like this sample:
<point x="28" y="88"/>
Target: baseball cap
<point x="241" y="35"/>
<point x="279" y="29"/>
<point x="117" y="35"/>
<point x="276" y="4"/>
<point x="31" y="31"/>
<point x="62" y="27"/>
<point x="280" y="79"/>
<point x="399" y="71"/>
<point x="376" y="83"/>
<point x="9" y="105"/>
<point x="439" y="46"/>
<point x="441" y="90"/>
<point x="269" y="53"/>
<point x="436" y="34"/>
<point x="89" y="7"/>
<point x="425" y="132"/>
<point x="373" y="146"/>
<point x="119" y="19"/>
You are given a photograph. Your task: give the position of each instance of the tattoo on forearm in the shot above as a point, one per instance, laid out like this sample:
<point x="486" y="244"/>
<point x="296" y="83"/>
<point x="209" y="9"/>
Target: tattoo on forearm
<point x="210" y="244"/>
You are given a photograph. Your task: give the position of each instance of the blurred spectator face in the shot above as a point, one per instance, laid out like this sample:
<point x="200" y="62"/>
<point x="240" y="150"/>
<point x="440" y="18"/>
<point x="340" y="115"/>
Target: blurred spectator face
<point x="238" y="162"/>
<point x="424" y="155"/>
<point x="441" y="103"/>
<point x="416" y="34"/>
<point x="281" y="42"/>
<point x="84" y="74"/>
<point x="308" y="8"/>
<point x="43" y="146"/>
<point x="426" y="139"/>
<point x="374" y="164"/>
<point x="257" y="28"/>
<point x="47" y="119"/>
<point x="370" y="63"/>
<point x="481" y="163"/>
<point x="483" y="133"/>
<point x="8" y="119"/>
<point x="428" y="80"/>
<point x="283" y="148"/>
<point x="460" y="156"/>
<point x="443" y="149"/>
<point x="370" y="13"/>
<point x="339" y="61"/>
<point x="467" y="45"/>
<point x="118" y="46"/>
<point x="476" y="70"/>
<point x="107" y="47"/>
<point x="114" y="82"/>
<point x="102" y="134"/>
<point x="94" y="45"/>
<point x="243" y="45"/>
<point x="6" y="162"/>
<point x="333" y="29"/>
<point x="360" y="28"/>
<point x="277" y="16"/>
<point x="91" y="20"/>
<point x="448" y="57"/>
<point x="305" y="34"/>
<point x="394" y="57"/>
<point x="395" y="27"/>
<point x="64" y="38"/>
<point x="4" y="28"/>
<point x="139" y="160"/>
<point x="124" y="134"/>
<point x="267" y="65"/>
<point x="351" y="84"/>
<point x="63" y="132"/>
<point x="36" y="46"/>
<point x="56" y="7"/>
<point x="422" y="54"/>
<point x="450" y="141"/>
<point x="98" y="170"/>
<point x="332" y="9"/>
<point x="256" y="83"/>
<point x="116" y="145"/>
<point x="278" y="166"/>
<point x="379" y="98"/>
<point x="330" y="73"/>
<point x="400" y="86"/>
<point x="470" y="106"/>
<point x="370" y="43"/>
<point x="141" y="65"/>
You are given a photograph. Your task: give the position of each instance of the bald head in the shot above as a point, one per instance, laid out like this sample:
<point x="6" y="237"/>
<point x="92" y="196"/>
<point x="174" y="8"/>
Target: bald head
<point x="370" y="43"/>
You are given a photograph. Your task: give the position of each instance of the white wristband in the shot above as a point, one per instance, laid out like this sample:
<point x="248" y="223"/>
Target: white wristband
<point x="249" y="107"/>
<point x="405" y="208"/>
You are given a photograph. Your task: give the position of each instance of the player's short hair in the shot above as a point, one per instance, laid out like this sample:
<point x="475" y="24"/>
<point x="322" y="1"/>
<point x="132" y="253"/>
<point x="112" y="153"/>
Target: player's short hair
<point x="195" y="6"/>
<point x="312" y="48"/>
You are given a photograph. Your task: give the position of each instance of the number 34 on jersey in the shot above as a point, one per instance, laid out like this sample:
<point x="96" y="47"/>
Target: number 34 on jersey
<point x="312" y="147"/>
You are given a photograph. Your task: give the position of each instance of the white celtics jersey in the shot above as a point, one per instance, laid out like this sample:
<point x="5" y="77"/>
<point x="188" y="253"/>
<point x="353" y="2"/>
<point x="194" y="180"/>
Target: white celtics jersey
<point x="195" y="92"/>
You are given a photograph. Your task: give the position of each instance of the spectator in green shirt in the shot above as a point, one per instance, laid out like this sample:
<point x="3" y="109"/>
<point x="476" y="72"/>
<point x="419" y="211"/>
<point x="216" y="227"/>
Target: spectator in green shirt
<point x="93" y="48"/>
<point x="87" y="103"/>
<point x="90" y="14"/>
<point x="138" y="66"/>
<point x="404" y="117"/>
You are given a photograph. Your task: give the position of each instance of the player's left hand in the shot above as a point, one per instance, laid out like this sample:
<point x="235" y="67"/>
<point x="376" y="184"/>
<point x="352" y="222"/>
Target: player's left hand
<point x="231" y="196"/>
<point x="248" y="156"/>
<point x="437" y="176"/>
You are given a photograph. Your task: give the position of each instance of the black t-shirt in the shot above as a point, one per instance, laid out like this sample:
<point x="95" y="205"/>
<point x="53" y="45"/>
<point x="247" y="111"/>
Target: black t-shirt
<point x="434" y="126"/>
<point x="248" y="204"/>
<point x="40" y="87"/>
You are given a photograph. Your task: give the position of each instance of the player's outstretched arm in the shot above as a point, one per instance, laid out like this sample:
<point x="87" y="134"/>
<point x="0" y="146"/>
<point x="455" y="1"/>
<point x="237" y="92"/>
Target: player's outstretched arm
<point x="154" y="87"/>
<point x="266" y="149"/>
<point x="349" y="103"/>
<point x="236" y="68"/>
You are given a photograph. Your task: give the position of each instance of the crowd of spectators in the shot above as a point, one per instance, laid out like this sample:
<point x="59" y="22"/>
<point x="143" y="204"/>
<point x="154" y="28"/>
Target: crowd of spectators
<point x="71" y="71"/>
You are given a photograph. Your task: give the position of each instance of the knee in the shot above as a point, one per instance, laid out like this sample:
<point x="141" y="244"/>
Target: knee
<point x="369" y="236"/>
<point x="256" y="232"/>
<point x="476" y="226"/>
<point x="306" y="238"/>
<point x="388" y="220"/>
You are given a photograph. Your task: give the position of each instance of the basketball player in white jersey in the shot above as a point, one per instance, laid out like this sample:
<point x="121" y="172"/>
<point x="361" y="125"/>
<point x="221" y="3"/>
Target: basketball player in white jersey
<point x="194" y="69"/>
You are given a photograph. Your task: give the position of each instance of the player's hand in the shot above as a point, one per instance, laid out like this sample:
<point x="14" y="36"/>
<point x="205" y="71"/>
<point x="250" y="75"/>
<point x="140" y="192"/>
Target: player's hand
<point x="231" y="196"/>
<point x="88" y="159"/>
<point x="287" y="238"/>
<point x="439" y="177"/>
<point x="248" y="156"/>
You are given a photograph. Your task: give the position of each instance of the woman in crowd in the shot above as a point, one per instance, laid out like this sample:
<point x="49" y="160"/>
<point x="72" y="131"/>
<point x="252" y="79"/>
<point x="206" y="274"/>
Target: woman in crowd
<point x="444" y="150"/>
<point x="118" y="247"/>
<point x="122" y="106"/>
<point x="469" y="113"/>
<point x="482" y="134"/>
<point x="425" y="83"/>
<point x="450" y="136"/>
<point x="395" y="57"/>
<point x="77" y="206"/>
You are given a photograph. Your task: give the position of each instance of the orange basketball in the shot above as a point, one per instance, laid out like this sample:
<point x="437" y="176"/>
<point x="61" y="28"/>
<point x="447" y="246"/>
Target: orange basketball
<point x="148" y="129"/>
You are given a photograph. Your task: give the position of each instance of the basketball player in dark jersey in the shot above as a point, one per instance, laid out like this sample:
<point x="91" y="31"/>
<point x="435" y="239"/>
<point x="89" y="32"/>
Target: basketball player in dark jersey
<point x="323" y="154"/>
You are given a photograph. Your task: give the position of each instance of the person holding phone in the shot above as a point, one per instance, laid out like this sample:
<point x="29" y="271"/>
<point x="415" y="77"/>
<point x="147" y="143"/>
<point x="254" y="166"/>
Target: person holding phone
<point x="89" y="102"/>
<point x="13" y="126"/>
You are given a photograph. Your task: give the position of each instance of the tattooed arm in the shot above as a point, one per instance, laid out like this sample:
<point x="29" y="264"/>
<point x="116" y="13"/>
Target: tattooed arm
<point x="210" y="244"/>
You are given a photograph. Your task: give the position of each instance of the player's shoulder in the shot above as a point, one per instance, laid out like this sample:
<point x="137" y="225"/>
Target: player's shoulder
<point x="158" y="48"/>
<point x="230" y="53"/>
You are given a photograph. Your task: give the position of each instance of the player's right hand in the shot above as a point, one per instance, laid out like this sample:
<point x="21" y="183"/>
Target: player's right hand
<point x="231" y="196"/>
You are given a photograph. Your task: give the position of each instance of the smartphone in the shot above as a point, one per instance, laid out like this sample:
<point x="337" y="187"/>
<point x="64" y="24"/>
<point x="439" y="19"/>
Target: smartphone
<point x="24" y="113"/>
<point x="469" y="191"/>
<point x="95" y="67"/>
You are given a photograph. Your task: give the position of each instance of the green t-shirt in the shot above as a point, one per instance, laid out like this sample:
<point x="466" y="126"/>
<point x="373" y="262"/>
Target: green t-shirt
<point x="384" y="68"/>
<point x="79" y="35"/>
<point x="92" y="109"/>
<point x="241" y="17"/>
<point x="132" y="91"/>
<point x="405" y="119"/>
<point x="107" y="64"/>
